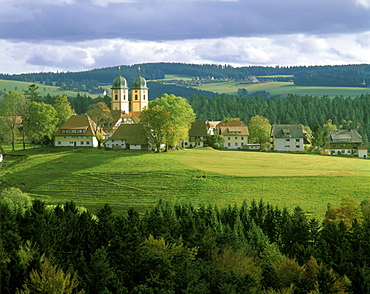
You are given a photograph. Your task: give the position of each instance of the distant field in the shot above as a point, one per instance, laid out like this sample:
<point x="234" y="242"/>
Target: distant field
<point x="127" y="179"/>
<point x="283" y="88"/>
<point x="11" y="86"/>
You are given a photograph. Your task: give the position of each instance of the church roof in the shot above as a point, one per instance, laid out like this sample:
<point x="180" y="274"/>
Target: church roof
<point x="139" y="83"/>
<point x="133" y="134"/>
<point x="119" y="83"/>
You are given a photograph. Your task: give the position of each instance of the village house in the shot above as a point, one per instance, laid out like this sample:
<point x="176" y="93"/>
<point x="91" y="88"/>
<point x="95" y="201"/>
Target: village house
<point x="78" y="131"/>
<point x="2" y="152"/>
<point x="345" y="142"/>
<point x="287" y="137"/>
<point x="234" y="132"/>
<point x="129" y="136"/>
<point x="197" y="134"/>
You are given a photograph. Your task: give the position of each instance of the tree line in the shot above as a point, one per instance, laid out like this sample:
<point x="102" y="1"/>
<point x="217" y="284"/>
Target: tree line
<point x="338" y="75"/>
<point x="182" y="248"/>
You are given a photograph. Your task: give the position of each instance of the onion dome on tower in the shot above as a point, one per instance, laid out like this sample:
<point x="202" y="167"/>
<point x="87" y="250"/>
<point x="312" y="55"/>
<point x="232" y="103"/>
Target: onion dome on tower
<point x="120" y="96"/>
<point x="139" y="94"/>
<point x="139" y="82"/>
<point x="119" y="82"/>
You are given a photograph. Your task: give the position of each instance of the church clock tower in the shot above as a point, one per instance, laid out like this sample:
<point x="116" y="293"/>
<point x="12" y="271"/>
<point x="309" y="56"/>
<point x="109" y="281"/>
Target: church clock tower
<point x="139" y="94"/>
<point x="120" y="99"/>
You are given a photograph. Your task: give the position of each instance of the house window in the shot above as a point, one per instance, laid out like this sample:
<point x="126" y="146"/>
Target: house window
<point x="286" y="146"/>
<point x="228" y="144"/>
<point x="242" y="138"/>
<point x="87" y="143"/>
<point x="143" y="97"/>
<point x="82" y="142"/>
<point x="333" y="145"/>
<point x="287" y="140"/>
<point x="124" y="96"/>
<point x="59" y="143"/>
<point x="297" y="140"/>
<point x="236" y="144"/>
<point x="297" y="146"/>
<point x="236" y="138"/>
<point x="136" y="97"/>
<point x="228" y="138"/>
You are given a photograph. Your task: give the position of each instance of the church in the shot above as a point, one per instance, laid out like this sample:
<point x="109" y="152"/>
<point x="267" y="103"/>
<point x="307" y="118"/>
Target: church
<point x="129" y="103"/>
<point x="126" y="107"/>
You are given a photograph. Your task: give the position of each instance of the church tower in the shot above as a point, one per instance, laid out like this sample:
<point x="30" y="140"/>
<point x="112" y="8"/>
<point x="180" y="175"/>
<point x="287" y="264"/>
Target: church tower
<point x="120" y="99"/>
<point x="139" y="94"/>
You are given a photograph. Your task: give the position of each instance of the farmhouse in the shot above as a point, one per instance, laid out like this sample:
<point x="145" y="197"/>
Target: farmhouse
<point x="78" y="130"/>
<point x="345" y="142"/>
<point x="2" y="152"/>
<point x="234" y="132"/>
<point x="129" y="136"/>
<point x="197" y="134"/>
<point x="287" y="138"/>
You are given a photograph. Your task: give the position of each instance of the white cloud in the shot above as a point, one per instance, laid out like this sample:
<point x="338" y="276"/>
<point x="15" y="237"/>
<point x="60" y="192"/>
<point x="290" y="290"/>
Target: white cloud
<point x="104" y="3"/>
<point x="284" y="50"/>
<point x="364" y="3"/>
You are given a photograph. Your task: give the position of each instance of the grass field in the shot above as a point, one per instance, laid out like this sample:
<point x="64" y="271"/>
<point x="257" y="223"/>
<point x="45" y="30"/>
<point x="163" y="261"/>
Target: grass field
<point x="11" y="86"/>
<point x="127" y="179"/>
<point x="283" y="88"/>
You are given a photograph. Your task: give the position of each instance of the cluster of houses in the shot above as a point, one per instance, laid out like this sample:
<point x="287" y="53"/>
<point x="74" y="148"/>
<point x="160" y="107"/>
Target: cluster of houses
<point x="126" y="132"/>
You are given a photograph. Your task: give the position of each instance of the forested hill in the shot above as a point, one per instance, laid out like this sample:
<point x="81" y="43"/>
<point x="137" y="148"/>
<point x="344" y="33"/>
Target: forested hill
<point x="340" y="75"/>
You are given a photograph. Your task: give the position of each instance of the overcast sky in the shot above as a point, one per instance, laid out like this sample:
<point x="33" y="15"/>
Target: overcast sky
<point x="75" y="35"/>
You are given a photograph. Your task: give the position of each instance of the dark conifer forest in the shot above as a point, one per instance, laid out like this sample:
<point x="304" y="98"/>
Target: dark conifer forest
<point x="179" y="248"/>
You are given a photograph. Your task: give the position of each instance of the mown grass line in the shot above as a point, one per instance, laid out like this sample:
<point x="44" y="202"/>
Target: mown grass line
<point x="126" y="179"/>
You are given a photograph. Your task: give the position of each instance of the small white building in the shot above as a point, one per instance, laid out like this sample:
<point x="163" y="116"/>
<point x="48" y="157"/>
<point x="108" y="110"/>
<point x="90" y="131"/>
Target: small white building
<point x="287" y="138"/>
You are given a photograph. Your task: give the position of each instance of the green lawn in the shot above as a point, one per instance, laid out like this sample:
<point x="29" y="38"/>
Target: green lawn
<point x="127" y="179"/>
<point x="283" y="88"/>
<point x="11" y="86"/>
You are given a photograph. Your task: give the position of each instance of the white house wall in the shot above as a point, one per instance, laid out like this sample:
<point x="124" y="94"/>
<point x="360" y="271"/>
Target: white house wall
<point x="76" y="141"/>
<point x="235" y="142"/>
<point x="288" y="144"/>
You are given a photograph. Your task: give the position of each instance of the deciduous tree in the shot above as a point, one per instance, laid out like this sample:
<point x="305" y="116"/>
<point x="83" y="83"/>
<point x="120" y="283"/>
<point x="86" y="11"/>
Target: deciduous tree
<point x="172" y="118"/>
<point x="41" y="122"/>
<point x="259" y="129"/>
<point x="63" y="108"/>
<point x="11" y="111"/>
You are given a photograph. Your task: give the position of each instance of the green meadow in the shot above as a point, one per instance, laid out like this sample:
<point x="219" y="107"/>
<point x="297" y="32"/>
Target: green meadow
<point x="137" y="179"/>
<point x="11" y="86"/>
<point x="282" y="88"/>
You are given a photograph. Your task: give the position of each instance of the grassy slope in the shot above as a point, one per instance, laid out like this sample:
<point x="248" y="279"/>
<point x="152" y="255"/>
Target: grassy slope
<point x="10" y="86"/>
<point x="139" y="179"/>
<point x="274" y="88"/>
<point x="283" y="88"/>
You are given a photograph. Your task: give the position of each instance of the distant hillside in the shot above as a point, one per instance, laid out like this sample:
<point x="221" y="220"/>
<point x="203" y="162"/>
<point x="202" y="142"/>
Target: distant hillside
<point x="337" y="76"/>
